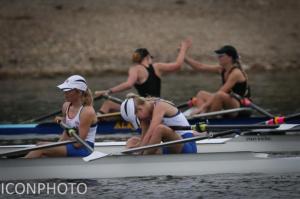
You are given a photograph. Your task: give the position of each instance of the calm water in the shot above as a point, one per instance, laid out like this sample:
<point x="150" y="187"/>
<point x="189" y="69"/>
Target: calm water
<point x="278" y="93"/>
<point x="23" y="99"/>
<point x="229" y="186"/>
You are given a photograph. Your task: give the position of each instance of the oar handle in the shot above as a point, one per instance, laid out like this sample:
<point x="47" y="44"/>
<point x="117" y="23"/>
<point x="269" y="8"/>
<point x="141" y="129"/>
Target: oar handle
<point x="246" y="102"/>
<point x="73" y="132"/>
<point x="114" y="99"/>
<point x="189" y="103"/>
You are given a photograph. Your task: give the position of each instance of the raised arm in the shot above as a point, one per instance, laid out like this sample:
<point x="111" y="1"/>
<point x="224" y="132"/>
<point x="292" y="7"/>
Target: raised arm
<point x="131" y="80"/>
<point x="174" y="66"/>
<point x="202" y="67"/>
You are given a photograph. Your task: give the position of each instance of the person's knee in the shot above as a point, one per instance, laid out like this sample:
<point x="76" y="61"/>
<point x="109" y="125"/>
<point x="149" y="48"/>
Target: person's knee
<point x="105" y="108"/>
<point x="160" y="129"/>
<point x="201" y="94"/>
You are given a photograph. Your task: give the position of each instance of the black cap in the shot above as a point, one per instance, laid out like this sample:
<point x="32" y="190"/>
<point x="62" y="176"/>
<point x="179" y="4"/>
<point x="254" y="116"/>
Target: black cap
<point x="228" y="50"/>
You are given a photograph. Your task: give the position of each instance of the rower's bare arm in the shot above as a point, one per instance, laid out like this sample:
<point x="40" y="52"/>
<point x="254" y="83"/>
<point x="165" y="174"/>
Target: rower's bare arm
<point x="202" y="67"/>
<point x="157" y="116"/>
<point x="64" y="135"/>
<point x="87" y="118"/>
<point x="144" y="128"/>
<point x="174" y="66"/>
<point x="131" y="80"/>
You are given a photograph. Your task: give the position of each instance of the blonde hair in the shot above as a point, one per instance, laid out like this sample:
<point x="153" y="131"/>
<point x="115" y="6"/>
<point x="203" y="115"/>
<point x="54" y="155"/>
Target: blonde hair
<point x="142" y="100"/>
<point x="87" y="98"/>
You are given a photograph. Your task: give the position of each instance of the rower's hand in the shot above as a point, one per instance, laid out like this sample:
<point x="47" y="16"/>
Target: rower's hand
<point x="58" y="119"/>
<point x="133" y="142"/>
<point x="186" y="44"/>
<point x="100" y="93"/>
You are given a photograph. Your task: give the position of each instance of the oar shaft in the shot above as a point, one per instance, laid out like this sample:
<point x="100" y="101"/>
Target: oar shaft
<point x="77" y="137"/>
<point x="222" y="112"/>
<point x="211" y="135"/>
<point x="42" y="117"/>
<point x="260" y="110"/>
<point x="205" y="127"/>
<point x="51" y="114"/>
<point x="247" y="102"/>
<point x="26" y="150"/>
<point x="113" y="99"/>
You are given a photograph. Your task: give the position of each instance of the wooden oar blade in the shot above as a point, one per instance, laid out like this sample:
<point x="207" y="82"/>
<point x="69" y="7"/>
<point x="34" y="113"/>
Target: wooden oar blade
<point x="95" y="155"/>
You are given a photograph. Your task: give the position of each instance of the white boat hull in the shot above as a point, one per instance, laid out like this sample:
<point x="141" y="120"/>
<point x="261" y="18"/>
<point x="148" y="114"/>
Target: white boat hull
<point x="152" y="165"/>
<point x="266" y="143"/>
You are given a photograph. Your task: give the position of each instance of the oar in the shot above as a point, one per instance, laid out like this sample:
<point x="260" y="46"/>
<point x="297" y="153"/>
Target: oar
<point x="41" y="118"/>
<point x="202" y="127"/>
<point x="97" y="155"/>
<point x="189" y="103"/>
<point x="246" y="102"/>
<point x="119" y="101"/>
<point x="113" y="99"/>
<point x="73" y="132"/>
<point x="143" y="148"/>
<point x="99" y="116"/>
<point x="222" y="112"/>
<point x="37" y="147"/>
<point x="282" y="129"/>
<point x="282" y="119"/>
<point x="70" y="131"/>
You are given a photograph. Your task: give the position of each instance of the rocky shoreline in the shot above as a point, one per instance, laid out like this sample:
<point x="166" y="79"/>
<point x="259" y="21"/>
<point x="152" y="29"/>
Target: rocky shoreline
<point x="44" y="38"/>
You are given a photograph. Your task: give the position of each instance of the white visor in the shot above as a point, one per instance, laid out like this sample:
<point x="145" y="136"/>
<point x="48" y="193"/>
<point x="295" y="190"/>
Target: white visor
<point x="73" y="82"/>
<point x="128" y="113"/>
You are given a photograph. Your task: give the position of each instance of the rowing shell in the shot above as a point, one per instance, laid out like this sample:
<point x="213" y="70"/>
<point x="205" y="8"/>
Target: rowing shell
<point x="117" y="166"/>
<point x="254" y="143"/>
<point x="113" y="127"/>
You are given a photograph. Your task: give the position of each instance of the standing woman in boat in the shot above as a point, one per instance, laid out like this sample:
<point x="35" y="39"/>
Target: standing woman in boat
<point x="234" y="79"/>
<point x="144" y="75"/>
<point x="154" y="116"/>
<point x="78" y="112"/>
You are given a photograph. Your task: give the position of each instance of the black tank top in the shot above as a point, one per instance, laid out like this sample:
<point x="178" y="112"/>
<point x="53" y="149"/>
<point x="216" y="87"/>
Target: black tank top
<point x="151" y="87"/>
<point x="240" y="88"/>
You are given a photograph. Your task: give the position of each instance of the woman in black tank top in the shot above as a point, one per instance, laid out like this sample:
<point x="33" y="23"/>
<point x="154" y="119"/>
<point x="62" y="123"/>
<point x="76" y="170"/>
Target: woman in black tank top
<point x="144" y="75"/>
<point x="234" y="80"/>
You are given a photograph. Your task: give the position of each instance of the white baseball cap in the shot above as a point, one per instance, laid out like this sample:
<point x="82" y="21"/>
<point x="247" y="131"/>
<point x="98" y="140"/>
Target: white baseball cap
<point x="128" y="112"/>
<point x="75" y="81"/>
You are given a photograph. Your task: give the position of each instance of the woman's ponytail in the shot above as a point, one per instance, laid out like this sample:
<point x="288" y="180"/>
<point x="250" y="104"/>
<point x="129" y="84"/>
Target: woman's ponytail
<point x="87" y="98"/>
